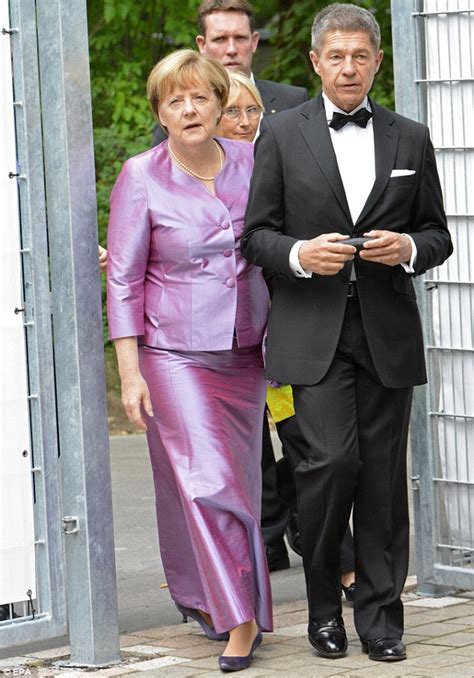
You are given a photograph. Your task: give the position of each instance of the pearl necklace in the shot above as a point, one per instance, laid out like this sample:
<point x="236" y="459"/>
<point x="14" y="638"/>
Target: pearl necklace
<point x="220" y="153"/>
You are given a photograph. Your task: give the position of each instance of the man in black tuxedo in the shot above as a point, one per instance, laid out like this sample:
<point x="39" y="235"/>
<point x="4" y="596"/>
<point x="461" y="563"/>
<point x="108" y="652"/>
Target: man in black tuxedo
<point x="344" y="328"/>
<point x="227" y="33"/>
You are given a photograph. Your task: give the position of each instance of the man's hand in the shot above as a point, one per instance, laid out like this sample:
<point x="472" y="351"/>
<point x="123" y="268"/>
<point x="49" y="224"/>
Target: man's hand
<point x="135" y="395"/>
<point x="387" y="248"/>
<point x="326" y="254"/>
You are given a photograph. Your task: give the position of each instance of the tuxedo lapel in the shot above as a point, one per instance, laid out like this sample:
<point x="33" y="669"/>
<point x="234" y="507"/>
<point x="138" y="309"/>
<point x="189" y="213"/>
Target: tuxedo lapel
<point x="314" y="128"/>
<point x="386" y="143"/>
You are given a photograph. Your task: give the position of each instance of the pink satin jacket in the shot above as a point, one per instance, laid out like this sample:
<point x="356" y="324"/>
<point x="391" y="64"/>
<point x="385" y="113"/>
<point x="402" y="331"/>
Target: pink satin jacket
<point x="175" y="275"/>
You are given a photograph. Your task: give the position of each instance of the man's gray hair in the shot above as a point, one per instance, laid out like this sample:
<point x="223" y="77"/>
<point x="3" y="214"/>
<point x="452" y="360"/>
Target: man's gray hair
<point x="343" y="17"/>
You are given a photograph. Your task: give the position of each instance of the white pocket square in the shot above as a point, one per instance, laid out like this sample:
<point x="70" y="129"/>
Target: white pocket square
<point x="401" y="173"/>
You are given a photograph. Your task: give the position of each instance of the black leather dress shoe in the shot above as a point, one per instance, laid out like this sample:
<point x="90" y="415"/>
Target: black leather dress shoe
<point x="385" y="649"/>
<point x="328" y="637"/>
<point x="277" y="556"/>
<point x="293" y="534"/>
<point x="349" y="592"/>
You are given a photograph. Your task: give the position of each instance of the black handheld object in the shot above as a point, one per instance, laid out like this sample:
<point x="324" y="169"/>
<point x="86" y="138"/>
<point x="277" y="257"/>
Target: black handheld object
<point x="358" y="243"/>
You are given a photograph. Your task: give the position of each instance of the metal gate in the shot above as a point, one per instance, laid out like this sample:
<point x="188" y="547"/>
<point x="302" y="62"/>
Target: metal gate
<point x="433" y="42"/>
<point x="75" y="563"/>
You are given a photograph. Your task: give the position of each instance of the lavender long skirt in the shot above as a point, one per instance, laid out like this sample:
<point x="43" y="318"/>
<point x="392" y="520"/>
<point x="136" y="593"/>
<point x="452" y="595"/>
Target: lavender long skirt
<point x="205" y="445"/>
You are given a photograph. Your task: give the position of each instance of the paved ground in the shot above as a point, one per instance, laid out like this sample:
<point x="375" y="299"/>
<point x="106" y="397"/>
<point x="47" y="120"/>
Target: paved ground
<point x="440" y="632"/>
<point x="142" y="604"/>
<point x="439" y="636"/>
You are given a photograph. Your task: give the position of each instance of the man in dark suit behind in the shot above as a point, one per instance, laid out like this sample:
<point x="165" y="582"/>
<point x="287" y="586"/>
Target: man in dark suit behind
<point x="344" y="328"/>
<point x="227" y="33"/>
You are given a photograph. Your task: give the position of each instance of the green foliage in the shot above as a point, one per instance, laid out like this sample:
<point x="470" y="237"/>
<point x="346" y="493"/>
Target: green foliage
<point x="291" y="27"/>
<point x="126" y="39"/>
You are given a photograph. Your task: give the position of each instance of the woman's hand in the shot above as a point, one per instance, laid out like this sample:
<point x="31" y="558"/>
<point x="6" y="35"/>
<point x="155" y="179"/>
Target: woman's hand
<point x="135" y="393"/>
<point x="135" y="396"/>
<point x="102" y="259"/>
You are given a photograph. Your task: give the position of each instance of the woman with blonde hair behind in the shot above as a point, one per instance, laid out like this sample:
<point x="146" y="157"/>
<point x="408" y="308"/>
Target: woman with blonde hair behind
<point x="187" y="315"/>
<point x="244" y="108"/>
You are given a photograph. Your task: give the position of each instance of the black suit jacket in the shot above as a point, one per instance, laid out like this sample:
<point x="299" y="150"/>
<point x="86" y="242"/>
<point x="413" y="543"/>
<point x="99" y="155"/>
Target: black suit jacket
<point x="297" y="193"/>
<point x="276" y="97"/>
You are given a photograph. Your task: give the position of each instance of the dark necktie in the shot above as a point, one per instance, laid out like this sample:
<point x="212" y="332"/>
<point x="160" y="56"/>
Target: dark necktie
<point x="361" y="118"/>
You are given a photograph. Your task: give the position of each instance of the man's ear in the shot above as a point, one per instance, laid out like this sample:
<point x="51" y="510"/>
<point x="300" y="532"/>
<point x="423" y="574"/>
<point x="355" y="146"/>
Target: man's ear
<point x="201" y="43"/>
<point x="379" y="59"/>
<point x="315" y="61"/>
<point x="255" y="39"/>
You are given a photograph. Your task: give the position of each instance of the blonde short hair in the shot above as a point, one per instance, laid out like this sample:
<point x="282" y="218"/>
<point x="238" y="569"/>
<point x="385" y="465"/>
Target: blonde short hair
<point x="239" y="81"/>
<point x="183" y="69"/>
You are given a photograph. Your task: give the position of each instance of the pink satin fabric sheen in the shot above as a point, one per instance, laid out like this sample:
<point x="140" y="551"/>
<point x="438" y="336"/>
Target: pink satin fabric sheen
<point x="175" y="274"/>
<point x="177" y="281"/>
<point x="205" y="444"/>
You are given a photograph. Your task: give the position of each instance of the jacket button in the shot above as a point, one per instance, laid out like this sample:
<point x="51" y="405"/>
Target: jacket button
<point x="227" y="253"/>
<point x="225" y="224"/>
<point x="230" y="282"/>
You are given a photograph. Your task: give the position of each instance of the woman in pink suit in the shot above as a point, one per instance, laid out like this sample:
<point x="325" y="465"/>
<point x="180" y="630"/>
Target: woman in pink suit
<point x="187" y="314"/>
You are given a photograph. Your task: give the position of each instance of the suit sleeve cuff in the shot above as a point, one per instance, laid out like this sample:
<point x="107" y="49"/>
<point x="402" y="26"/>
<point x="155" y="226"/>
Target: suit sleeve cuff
<point x="409" y="267"/>
<point x="294" y="262"/>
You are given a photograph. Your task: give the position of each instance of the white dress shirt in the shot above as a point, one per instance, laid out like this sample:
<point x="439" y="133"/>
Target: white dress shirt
<point x="355" y="154"/>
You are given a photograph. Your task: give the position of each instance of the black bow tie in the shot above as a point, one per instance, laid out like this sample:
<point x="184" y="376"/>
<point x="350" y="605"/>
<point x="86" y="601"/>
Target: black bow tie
<point x="360" y="118"/>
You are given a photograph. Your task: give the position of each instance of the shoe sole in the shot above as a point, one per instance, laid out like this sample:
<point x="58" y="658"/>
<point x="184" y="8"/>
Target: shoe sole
<point x="387" y="659"/>
<point x="327" y="655"/>
<point x="226" y="669"/>
<point x="376" y="658"/>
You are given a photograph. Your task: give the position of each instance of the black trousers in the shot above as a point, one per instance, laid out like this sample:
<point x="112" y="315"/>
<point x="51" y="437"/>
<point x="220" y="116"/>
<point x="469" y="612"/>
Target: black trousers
<point x="279" y="490"/>
<point x="356" y="430"/>
<point x="275" y="506"/>
<point x="296" y="450"/>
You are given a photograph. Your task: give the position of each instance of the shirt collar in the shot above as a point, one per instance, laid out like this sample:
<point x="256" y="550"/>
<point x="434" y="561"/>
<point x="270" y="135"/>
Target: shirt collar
<point x="331" y="108"/>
